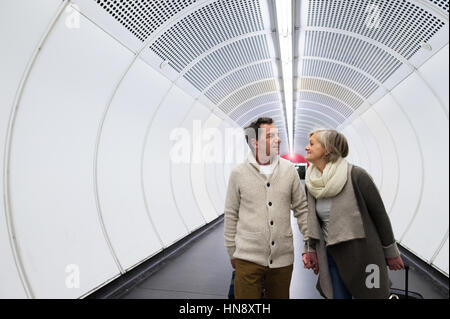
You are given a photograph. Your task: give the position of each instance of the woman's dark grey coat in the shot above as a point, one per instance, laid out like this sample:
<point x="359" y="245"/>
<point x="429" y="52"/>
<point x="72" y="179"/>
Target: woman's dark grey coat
<point x="360" y="236"/>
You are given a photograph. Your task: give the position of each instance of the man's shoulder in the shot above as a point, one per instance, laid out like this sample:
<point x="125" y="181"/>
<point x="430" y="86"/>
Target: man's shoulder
<point x="239" y="169"/>
<point x="284" y="161"/>
<point x="286" y="164"/>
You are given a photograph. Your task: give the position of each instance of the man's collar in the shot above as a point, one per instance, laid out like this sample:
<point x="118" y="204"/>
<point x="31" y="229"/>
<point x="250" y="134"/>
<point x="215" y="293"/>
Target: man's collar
<point x="252" y="160"/>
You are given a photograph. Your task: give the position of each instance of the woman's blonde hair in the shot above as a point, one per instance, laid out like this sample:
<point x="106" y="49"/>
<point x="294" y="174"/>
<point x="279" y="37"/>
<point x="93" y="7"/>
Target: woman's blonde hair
<point x="334" y="143"/>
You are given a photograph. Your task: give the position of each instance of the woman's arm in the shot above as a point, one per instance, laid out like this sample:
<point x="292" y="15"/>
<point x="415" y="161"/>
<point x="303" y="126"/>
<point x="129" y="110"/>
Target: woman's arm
<point x="380" y="218"/>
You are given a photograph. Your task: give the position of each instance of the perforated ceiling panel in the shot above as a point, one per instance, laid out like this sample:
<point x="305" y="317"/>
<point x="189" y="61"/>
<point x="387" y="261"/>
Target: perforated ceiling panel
<point x="332" y="89"/>
<point x="333" y="103"/>
<point x="206" y="28"/>
<point x="226" y="59"/>
<point x="253" y="113"/>
<point x="441" y="4"/>
<point x="351" y="48"/>
<point x="254" y="103"/>
<point x="264" y="87"/>
<point x="143" y="17"/>
<point x="307" y="105"/>
<point x="307" y="113"/>
<point x="352" y="51"/>
<point x="347" y="76"/>
<point x="400" y="25"/>
<point x="239" y="79"/>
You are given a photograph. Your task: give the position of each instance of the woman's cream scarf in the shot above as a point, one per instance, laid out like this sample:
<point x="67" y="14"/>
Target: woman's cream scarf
<point x="330" y="182"/>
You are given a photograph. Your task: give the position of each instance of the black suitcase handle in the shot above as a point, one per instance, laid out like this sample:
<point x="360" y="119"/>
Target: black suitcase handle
<point x="406" y="281"/>
<point x="404" y="294"/>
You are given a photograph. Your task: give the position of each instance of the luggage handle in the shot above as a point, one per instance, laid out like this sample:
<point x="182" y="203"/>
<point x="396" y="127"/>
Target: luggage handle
<point x="406" y="280"/>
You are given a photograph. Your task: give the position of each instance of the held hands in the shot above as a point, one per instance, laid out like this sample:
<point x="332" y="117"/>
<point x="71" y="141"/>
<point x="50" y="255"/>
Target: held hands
<point x="395" y="263"/>
<point x="310" y="261"/>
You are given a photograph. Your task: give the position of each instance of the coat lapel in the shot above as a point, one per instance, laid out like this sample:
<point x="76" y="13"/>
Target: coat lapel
<point x="345" y="218"/>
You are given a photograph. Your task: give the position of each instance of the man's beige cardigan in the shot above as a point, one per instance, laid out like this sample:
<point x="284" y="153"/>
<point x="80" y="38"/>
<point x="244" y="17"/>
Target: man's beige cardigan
<point x="257" y="213"/>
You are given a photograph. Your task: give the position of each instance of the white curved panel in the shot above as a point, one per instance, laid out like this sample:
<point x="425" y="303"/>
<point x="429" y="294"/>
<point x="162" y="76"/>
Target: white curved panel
<point x="431" y="125"/>
<point x="211" y="187"/>
<point x="352" y="156"/>
<point x="355" y="147"/>
<point x="373" y="151"/>
<point x="207" y="207"/>
<point x="22" y="40"/>
<point x="220" y="167"/>
<point x="119" y="164"/>
<point x="220" y="181"/>
<point x="181" y="171"/>
<point x="441" y="260"/>
<point x="213" y="155"/>
<point x="388" y="157"/>
<point x="435" y="71"/>
<point x="409" y="170"/>
<point x="156" y="166"/>
<point x="364" y="157"/>
<point x="226" y="173"/>
<point x="52" y="156"/>
<point x="235" y="150"/>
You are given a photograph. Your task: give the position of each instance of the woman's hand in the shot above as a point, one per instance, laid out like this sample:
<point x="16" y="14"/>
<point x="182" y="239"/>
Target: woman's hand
<point x="310" y="261"/>
<point x="395" y="263"/>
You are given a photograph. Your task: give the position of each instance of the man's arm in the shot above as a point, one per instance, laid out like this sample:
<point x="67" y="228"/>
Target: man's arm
<point x="300" y="209"/>
<point x="232" y="203"/>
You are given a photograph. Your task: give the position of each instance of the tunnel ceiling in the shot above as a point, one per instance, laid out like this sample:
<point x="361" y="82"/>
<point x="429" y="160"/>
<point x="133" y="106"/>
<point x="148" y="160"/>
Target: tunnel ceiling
<point x="351" y="53"/>
<point x="347" y="53"/>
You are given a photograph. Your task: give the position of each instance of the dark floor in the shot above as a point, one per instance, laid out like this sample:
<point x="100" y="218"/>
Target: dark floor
<point x="203" y="271"/>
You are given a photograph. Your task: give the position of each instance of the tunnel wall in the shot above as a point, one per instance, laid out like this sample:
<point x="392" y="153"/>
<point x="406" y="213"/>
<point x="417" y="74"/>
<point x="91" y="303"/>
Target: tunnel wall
<point x="89" y="190"/>
<point x="89" y="186"/>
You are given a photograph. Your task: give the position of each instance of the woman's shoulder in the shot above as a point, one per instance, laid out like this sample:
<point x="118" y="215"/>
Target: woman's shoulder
<point x="357" y="170"/>
<point x="360" y="174"/>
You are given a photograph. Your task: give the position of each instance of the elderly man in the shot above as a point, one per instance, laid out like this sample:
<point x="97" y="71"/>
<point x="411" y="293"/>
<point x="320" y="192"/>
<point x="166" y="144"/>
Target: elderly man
<point x="258" y="234"/>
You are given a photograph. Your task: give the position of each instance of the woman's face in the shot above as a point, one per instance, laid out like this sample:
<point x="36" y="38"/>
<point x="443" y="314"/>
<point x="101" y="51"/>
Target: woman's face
<point x="314" y="150"/>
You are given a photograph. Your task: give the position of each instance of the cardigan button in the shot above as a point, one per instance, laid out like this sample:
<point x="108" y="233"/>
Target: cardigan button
<point x="268" y="184"/>
<point x="271" y="222"/>
<point x="273" y="243"/>
<point x="270" y="203"/>
<point x="271" y="261"/>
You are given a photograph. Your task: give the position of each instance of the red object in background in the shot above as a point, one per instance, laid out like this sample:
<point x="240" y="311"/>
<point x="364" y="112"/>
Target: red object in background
<point x="295" y="158"/>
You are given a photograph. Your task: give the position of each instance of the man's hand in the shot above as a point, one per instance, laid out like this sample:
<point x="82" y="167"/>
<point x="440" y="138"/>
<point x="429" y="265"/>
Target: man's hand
<point x="310" y="261"/>
<point x="395" y="263"/>
<point x="233" y="263"/>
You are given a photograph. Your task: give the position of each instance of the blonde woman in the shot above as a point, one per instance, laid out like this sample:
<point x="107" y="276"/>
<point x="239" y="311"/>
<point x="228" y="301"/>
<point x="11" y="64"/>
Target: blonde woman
<point x="351" y="239"/>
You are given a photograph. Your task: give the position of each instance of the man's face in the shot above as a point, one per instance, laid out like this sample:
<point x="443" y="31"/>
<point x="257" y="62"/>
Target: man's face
<point x="268" y="140"/>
